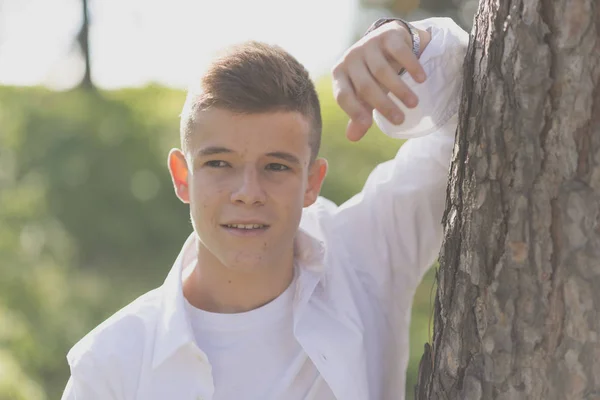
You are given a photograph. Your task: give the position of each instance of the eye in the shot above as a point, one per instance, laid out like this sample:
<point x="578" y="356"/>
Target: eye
<point x="216" y="164"/>
<point x="277" y="167"/>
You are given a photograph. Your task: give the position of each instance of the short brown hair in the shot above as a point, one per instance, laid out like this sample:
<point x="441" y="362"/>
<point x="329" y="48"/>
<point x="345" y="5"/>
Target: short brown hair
<point x="255" y="77"/>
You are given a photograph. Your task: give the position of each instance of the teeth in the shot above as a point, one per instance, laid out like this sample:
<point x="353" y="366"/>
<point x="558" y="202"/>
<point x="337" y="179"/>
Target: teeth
<point x="248" y="226"/>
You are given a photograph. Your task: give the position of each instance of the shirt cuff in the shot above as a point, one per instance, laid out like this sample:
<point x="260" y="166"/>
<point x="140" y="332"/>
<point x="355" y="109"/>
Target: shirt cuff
<point x="439" y="95"/>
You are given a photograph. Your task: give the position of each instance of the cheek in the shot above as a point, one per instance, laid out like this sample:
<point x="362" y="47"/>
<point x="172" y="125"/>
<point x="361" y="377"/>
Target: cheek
<point x="207" y="185"/>
<point x="294" y="214"/>
<point x="290" y="198"/>
<point x="206" y="195"/>
<point x="290" y="189"/>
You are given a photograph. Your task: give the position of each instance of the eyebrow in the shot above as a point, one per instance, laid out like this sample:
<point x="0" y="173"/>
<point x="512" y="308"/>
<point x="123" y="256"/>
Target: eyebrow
<point x="208" y="151"/>
<point x="284" y="156"/>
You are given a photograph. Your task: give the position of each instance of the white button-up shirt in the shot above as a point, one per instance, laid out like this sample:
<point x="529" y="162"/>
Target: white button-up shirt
<point x="359" y="266"/>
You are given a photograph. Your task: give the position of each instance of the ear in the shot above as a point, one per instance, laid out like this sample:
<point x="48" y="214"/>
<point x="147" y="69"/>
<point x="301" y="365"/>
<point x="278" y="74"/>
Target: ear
<point x="179" y="174"/>
<point x="316" y="176"/>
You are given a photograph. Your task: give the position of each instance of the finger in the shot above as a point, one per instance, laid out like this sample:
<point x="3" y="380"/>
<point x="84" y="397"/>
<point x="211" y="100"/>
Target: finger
<point x="388" y="78"/>
<point x="345" y="96"/>
<point x="368" y="91"/>
<point x="396" y="48"/>
<point x="355" y="131"/>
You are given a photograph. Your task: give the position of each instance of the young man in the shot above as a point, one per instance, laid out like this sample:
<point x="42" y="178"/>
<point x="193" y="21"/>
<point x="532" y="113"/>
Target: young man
<point x="278" y="293"/>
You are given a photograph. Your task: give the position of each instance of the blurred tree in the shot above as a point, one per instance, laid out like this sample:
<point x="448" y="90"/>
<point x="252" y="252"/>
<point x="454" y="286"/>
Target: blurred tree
<point x="83" y="39"/>
<point x="516" y="315"/>
<point x="395" y="6"/>
<point x="459" y="10"/>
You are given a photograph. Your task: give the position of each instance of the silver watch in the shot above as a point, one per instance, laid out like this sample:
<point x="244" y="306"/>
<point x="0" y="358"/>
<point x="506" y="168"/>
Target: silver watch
<point x="416" y="39"/>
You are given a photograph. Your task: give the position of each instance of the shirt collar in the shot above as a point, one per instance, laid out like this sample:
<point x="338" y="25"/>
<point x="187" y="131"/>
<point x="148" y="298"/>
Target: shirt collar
<point x="173" y="326"/>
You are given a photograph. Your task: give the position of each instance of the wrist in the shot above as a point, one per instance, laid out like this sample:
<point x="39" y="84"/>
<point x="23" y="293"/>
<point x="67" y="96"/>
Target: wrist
<point x="404" y="27"/>
<point x="421" y="37"/>
<point x="424" y="36"/>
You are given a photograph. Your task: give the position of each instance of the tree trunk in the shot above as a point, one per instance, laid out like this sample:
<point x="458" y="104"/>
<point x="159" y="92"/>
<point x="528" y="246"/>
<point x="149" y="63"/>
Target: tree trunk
<point x="516" y="314"/>
<point x="84" y="43"/>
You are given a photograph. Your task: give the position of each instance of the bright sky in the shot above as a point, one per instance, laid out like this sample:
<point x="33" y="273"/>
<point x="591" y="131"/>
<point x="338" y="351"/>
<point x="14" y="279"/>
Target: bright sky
<point x="134" y="42"/>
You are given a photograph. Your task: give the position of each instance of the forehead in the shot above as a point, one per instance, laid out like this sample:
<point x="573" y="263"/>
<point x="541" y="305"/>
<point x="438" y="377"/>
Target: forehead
<point x="250" y="133"/>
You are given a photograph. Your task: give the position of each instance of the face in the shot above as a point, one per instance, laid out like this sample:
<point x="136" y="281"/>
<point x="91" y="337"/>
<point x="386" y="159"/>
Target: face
<point x="247" y="178"/>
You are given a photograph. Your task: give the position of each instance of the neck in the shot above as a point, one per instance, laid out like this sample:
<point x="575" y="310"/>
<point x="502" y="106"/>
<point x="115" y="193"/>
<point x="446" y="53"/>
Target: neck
<point x="214" y="287"/>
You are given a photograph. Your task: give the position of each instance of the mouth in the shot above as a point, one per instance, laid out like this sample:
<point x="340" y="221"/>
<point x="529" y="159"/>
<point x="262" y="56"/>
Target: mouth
<point x="246" y="229"/>
<point x="246" y="226"/>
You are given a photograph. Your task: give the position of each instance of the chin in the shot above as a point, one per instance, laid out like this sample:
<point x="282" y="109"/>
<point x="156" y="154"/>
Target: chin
<point x="246" y="261"/>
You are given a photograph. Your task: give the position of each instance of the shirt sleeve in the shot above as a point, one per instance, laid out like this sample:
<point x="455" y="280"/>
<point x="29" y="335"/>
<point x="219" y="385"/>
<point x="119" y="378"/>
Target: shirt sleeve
<point x="392" y="230"/>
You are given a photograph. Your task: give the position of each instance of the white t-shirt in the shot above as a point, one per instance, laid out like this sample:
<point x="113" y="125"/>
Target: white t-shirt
<point x="254" y="355"/>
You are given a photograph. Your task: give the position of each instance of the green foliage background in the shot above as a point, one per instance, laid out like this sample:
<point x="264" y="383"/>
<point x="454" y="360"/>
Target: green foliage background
<point x="89" y="221"/>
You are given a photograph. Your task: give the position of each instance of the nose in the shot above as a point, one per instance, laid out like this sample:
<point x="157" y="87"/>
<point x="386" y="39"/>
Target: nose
<point x="249" y="189"/>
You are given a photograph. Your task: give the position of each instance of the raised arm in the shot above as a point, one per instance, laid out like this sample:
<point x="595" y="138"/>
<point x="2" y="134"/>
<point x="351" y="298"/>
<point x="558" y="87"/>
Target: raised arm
<point x="393" y="227"/>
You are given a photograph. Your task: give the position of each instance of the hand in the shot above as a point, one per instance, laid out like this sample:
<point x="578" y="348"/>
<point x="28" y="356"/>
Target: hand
<point x="368" y="71"/>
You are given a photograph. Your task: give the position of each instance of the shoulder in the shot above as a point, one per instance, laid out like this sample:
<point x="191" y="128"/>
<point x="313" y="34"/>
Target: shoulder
<point x="319" y="219"/>
<point x="121" y="337"/>
<point x="318" y="214"/>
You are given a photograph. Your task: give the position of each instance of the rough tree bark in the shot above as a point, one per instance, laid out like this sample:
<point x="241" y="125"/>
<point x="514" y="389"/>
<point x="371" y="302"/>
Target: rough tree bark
<point x="516" y="315"/>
